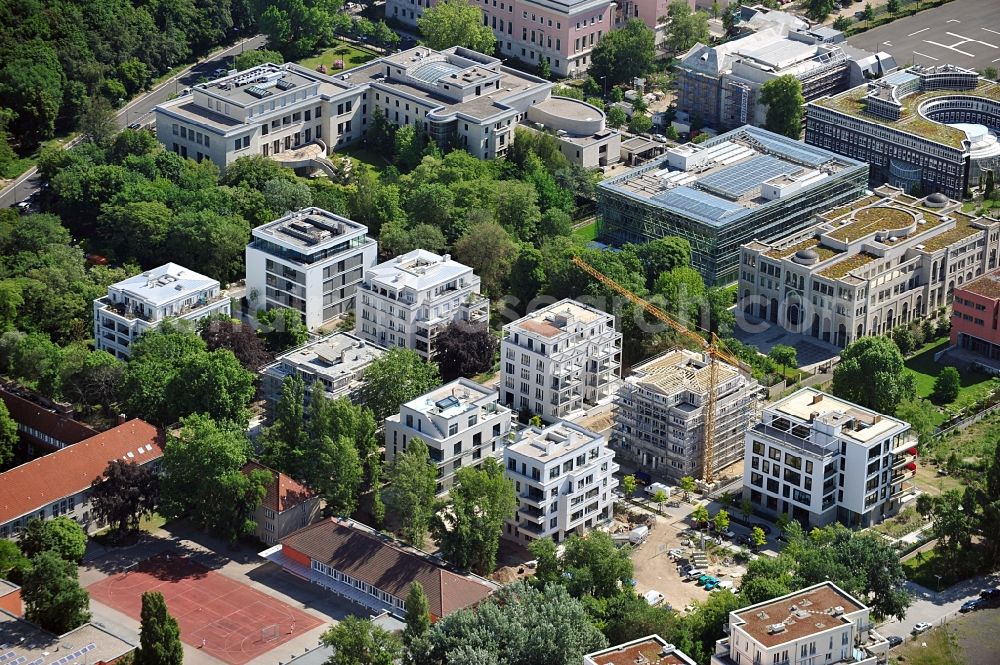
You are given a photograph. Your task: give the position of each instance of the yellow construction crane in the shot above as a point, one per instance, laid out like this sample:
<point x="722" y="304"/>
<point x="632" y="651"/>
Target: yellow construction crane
<point x="712" y="346"/>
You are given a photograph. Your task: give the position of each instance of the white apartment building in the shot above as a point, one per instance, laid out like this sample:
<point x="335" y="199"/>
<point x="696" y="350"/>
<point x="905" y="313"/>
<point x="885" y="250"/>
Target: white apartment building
<point x="461" y="423"/>
<point x="659" y="422"/>
<point x="311" y="261"/>
<point x="819" y="625"/>
<point x="558" y="359"/>
<point x="822" y="459"/>
<point x="336" y="361"/>
<point x="408" y="300"/>
<point x="563" y="476"/>
<point x="136" y="304"/>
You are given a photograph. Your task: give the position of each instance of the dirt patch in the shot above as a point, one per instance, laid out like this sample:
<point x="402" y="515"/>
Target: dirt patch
<point x="654" y="568"/>
<point x="978" y="637"/>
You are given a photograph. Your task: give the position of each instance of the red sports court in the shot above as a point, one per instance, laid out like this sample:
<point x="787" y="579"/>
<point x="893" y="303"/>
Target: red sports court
<point x="236" y="622"/>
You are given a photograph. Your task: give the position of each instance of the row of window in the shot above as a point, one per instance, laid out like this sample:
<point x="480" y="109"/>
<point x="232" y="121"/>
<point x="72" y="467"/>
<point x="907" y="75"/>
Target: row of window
<point x="371" y="590"/>
<point x="191" y="135"/>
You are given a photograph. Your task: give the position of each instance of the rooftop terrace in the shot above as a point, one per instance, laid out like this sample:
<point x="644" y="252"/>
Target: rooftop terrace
<point x="797" y="615"/>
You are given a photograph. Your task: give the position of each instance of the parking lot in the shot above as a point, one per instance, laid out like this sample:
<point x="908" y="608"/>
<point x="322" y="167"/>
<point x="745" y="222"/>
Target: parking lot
<point x="964" y="33"/>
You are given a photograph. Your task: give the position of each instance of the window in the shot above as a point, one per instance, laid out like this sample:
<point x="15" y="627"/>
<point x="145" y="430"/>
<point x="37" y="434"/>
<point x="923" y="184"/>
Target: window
<point x="453" y="429"/>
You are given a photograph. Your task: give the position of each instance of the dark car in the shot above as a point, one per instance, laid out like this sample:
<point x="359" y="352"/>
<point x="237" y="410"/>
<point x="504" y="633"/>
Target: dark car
<point x="894" y="641"/>
<point x="990" y="594"/>
<point x="968" y="606"/>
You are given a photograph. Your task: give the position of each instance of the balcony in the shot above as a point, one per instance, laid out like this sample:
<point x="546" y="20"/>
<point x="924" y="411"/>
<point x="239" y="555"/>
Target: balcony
<point x="531" y="527"/>
<point x="531" y="512"/>
<point x="536" y="498"/>
<point x="905" y="472"/>
<point x="906" y="446"/>
<point x="903" y="490"/>
<point x="130" y="312"/>
<point x="902" y="459"/>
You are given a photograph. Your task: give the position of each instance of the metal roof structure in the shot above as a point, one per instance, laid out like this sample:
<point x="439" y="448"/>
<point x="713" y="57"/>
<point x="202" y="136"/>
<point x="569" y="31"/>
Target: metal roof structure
<point x="739" y="179"/>
<point x="700" y="205"/>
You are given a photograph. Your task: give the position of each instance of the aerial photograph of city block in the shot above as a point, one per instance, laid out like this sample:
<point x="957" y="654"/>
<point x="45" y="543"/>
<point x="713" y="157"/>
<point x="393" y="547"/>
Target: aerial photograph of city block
<point x="499" y="332"/>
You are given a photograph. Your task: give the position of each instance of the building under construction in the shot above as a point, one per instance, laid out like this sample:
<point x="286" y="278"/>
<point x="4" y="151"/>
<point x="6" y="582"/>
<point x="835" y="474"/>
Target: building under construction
<point x="659" y="423"/>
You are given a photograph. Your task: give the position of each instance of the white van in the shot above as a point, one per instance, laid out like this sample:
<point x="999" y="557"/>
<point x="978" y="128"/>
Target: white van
<point x="653" y="488"/>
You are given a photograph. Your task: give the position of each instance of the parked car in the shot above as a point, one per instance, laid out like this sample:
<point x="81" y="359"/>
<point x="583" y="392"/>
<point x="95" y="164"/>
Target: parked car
<point x="711" y="584"/>
<point x="659" y="138"/>
<point x="24" y="207"/>
<point x="729" y="534"/>
<point x="653" y="597"/>
<point x="969" y="606"/>
<point x="895" y="641"/>
<point x="706" y="580"/>
<point x="134" y="125"/>
<point x="921" y="627"/>
<point x="694" y="574"/>
<point x="990" y="594"/>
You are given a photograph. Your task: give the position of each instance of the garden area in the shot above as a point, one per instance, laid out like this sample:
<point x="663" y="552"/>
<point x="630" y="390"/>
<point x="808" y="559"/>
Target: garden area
<point x="586" y="233"/>
<point x="974" y="387"/>
<point x="935" y="571"/>
<point x="907" y="521"/>
<point x="342" y="52"/>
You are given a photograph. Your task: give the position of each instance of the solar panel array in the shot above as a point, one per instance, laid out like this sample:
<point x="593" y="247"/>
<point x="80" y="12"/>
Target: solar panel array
<point x="697" y="204"/>
<point x="7" y="656"/>
<point x="76" y="654"/>
<point x="787" y="147"/>
<point x="735" y="181"/>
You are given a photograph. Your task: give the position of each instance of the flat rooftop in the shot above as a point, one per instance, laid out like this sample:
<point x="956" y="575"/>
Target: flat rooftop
<point x="165" y="284"/>
<point x="333" y="357"/>
<point x="33" y="646"/>
<point x="419" y="270"/>
<point x="553" y="441"/>
<point x="557" y="318"/>
<point x="652" y="650"/>
<point x="451" y="399"/>
<point x="310" y="229"/>
<point x="679" y="370"/>
<point x="721" y="181"/>
<point x="806" y="403"/>
<point x="256" y="84"/>
<point x="799" y="615"/>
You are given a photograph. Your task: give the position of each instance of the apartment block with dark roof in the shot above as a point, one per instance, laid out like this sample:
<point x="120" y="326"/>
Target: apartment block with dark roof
<point x="288" y="506"/>
<point x="42" y="430"/>
<point x="59" y="483"/>
<point x="354" y="561"/>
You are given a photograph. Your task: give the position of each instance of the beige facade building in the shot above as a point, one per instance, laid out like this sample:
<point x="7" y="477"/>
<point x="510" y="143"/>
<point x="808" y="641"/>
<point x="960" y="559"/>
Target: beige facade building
<point x="866" y="267"/>
<point x="287" y="507"/>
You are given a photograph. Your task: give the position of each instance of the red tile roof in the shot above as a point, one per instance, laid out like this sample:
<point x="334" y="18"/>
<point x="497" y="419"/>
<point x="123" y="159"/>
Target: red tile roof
<point x="59" y="427"/>
<point x="32" y="486"/>
<point x="380" y="561"/>
<point x="283" y="493"/>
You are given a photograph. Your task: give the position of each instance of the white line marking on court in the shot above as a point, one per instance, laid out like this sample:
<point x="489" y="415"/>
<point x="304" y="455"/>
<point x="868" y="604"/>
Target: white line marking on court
<point x="924" y="55"/>
<point x="993" y="31"/>
<point x="952" y="48"/>
<point x="921" y="30"/>
<point x="953" y="20"/>
<point x="887" y="43"/>
<point x="997" y="60"/>
<point x="969" y="39"/>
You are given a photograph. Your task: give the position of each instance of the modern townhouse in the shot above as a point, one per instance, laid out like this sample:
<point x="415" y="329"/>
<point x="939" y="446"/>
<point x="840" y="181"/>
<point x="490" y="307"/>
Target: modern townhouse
<point x="820" y="459"/>
<point x="407" y="301"/>
<point x="311" y="261"/>
<point x="139" y="303"/>
<point x="461" y="422"/>
<point x="879" y="262"/>
<point x="559" y="359"/>
<point x="563" y="475"/>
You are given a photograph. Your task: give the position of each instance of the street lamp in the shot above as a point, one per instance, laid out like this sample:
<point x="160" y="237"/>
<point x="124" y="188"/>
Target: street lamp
<point x="604" y="79"/>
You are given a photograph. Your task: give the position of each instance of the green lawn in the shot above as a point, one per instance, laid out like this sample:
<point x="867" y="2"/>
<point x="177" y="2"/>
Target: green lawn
<point x="586" y="233"/>
<point x="936" y="647"/>
<point x="907" y="521"/>
<point x="364" y="155"/>
<point x="22" y="164"/>
<point x="350" y="54"/>
<point x="925" y="567"/>
<point x="975" y="385"/>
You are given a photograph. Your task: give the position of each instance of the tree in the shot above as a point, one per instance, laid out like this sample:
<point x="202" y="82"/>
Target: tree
<point x="12" y="561"/>
<point x="257" y="57"/>
<point x="684" y="290"/>
<point x="871" y="373"/>
<point x="456" y="23"/>
<point x="989" y="501"/>
<point x="489" y="250"/>
<point x="686" y="28"/>
<point x="412" y="484"/>
<point x="946" y="386"/>
<point x="284" y="442"/>
<point x="159" y="635"/>
<point x="61" y="535"/>
<point x="700" y="515"/>
<point x="629" y="485"/>
<point x="687" y="486"/>
<point x="892" y="6"/>
<point x="284" y="195"/>
<point x="282" y="329"/>
<point x="869" y="12"/>
<point x="785" y="103"/>
<point x="784" y="355"/>
<point x="465" y="349"/>
<point x="922" y="417"/>
<point x="594" y="566"/>
<point x="547" y="570"/>
<point x="757" y="537"/>
<point x="360" y="642"/>
<point x="469" y="526"/>
<point x="721" y="521"/>
<point x="989" y="184"/>
<point x="518" y="624"/>
<point x="624" y="53"/>
<point x="238" y="337"/>
<point x="8" y="435"/>
<point x="123" y="495"/>
<point x="544" y="68"/>
<point x="52" y="596"/>
<point x="639" y="123"/>
<point x="818" y="10"/>
<point x="295" y="26"/>
<point x="616" y="117"/>
<point x="395" y="378"/>
<point x="659" y="498"/>
<point x="99" y="123"/>
<point x="842" y="23"/>
<point x="418" y="614"/>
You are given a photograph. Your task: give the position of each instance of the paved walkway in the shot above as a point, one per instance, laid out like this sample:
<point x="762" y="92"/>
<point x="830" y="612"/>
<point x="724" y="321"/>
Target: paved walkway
<point x="937" y="607"/>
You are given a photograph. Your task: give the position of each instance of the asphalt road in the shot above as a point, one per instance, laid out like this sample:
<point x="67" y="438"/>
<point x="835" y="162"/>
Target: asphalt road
<point x="964" y="33"/>
<point x="934" y="607"/>
<point x="140" y="108"/>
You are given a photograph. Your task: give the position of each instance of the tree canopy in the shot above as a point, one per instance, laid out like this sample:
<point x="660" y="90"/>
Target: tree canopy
<point x="123" y="494"/>
<point x="624" y="53"/>
<point x="61" y="535"/>
<point x="359" y="642"/>
<point x="785" y="105"/>
<point x="394" y="379"/>
<point x="411" y="489"/>
<point x="871" y="373"/>
<point x="456" y="23"/>
<point x="686" y="27"/>
<point x="52" y="595"/>
<point x="159" y="635"/>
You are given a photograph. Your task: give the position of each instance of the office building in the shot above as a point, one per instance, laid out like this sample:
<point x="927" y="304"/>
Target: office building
<point x="461" y="423"/>
<point x="139" y="303"/>
<point x="925" y="129"/>
<point x="721" y="84"/>
<point x="748" y="183"/>
<point x="821" y="459"/>
<point x="819" y="624"/>
<point x="354" y="561"/>
<point x="59" y="483"/>
<point x="407" y="301"/>
<point x="650" y="650"/>
<point x="336" y="361"/>
<point x="557" y="360"/>
<point x="876" y="263"/>
<point x="563" y="476"/>
<point x="311" y="261"/>
<point x="974" y="316"/>
<point x="659" y="419"/>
